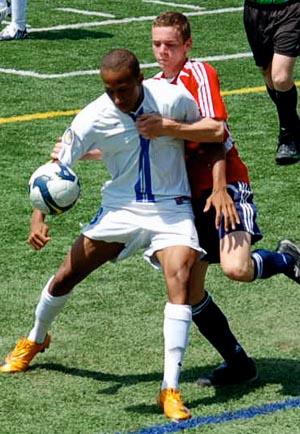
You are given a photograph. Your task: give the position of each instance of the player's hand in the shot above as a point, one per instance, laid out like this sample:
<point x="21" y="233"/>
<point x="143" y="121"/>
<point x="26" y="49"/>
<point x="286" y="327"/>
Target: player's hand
<point x="39" y="231"/>
<point x="150" y="125"/>
<point x="57" y="148"/>
<point x="224" y="206"/>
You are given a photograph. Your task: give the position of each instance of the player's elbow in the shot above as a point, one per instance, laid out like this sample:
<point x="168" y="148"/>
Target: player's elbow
<point x="218" y="131"/>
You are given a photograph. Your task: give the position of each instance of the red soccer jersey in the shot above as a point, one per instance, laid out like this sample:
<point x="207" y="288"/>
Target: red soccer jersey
<point x="202" y="81"/>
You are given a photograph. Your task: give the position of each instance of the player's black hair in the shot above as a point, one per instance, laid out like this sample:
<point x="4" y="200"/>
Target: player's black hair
<point x="174" y="19"/>
<point x="119" y="59"/>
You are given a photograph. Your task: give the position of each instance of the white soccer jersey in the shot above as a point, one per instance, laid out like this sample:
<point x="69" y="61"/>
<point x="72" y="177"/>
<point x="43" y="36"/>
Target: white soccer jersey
<point x="141" y="170"/>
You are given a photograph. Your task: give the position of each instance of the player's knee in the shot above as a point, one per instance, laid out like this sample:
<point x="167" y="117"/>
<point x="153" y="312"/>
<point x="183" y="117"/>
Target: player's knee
<point x="282" y="81"/>
<point x="179" y="274"/>
<point x="237" y="270"/>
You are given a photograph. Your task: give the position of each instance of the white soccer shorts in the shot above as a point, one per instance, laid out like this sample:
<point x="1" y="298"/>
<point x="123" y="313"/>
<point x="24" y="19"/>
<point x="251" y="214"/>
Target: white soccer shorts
<point x="145" y="225"/>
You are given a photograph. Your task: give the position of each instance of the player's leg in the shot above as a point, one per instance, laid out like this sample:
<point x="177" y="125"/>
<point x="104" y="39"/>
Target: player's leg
<point x="176" y="263"/>
<point x="283" y="92"/>
<point x="214" y="326"/>
<point x="17" y="28"/>
<point x="85" y="256"/>
<point x="237" y="260"/>
<point x="207" y="315"/>
<point x="272" y="35"/>
<point x="238" y="263"/>
<point x="286" y="49"/>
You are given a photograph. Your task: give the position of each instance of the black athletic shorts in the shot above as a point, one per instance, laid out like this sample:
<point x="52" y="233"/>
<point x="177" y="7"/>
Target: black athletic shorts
<point x="272" y="29"/>
<point x="209" y="236"/>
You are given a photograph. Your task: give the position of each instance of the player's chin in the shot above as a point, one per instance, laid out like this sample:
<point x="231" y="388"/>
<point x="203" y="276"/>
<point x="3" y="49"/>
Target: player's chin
<point x="162" y="63"/>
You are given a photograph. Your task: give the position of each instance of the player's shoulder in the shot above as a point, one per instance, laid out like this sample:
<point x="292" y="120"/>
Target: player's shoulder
<point x="94" y="110"/>
<point x="162" y="89"/>
<point x="199" y="67"/>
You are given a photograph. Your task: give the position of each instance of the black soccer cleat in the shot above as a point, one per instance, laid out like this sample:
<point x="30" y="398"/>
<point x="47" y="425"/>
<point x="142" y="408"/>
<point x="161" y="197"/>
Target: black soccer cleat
<point x="230" y="374"/>
<point x="288" y="150"/>
<point x="287" y="246"/>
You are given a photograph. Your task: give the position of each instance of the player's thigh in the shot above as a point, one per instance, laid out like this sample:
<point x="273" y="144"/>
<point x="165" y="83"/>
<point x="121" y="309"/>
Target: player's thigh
<point x="235" y="258"/>
<point x="177" y="262"/>
<point x="84" y="256"/>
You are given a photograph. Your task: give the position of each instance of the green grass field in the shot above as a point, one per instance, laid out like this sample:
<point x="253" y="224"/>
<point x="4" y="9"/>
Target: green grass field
<point x="104" y="367"/>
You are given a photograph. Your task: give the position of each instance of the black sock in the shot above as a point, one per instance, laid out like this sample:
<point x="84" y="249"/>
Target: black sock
<point x="272" y="94"/>
<point x="287" y="110"/>
<point x="213" y="325"/>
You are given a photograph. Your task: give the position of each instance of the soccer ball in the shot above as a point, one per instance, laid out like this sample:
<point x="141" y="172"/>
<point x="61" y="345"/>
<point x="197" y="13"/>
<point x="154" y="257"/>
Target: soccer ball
<point x="53" y="188"/>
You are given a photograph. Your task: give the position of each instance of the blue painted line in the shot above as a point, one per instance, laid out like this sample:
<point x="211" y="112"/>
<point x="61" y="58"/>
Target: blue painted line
<point x="228" y="416"/>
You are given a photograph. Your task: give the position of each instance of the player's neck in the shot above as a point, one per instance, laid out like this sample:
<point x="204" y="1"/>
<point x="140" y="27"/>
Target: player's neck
<point x="139" y="100"/>
<point x="171" y="73"/>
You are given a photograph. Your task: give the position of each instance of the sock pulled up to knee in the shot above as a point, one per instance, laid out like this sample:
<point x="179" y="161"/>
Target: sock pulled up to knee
<point x="213" y="325"/>
<point x="177" y="320"/>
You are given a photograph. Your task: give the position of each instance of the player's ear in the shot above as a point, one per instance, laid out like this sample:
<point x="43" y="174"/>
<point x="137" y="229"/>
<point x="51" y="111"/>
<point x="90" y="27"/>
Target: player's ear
<point x="141" y="77"/>
<point x="189" y="44"/>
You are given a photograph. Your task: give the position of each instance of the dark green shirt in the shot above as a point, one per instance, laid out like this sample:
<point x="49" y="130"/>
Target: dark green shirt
<point x="269" y="2"/>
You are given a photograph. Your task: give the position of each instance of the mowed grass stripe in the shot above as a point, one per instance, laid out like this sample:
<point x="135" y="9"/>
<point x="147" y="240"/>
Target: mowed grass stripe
<point x="61" y="113"/>
<point x="35" y="116"/>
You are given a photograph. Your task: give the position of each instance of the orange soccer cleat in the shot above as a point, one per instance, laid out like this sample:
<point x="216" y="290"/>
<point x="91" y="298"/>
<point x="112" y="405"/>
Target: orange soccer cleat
<point x="171" y="403"/>
<point x="25" y="350"/>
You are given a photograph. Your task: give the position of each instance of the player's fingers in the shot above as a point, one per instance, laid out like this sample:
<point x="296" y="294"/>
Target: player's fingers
<point x="226" y="222"/>
<point x="35" y="244"/>
<point x="38" y="241"/>
<point x="44" y="231"/>
<point x="207" y="205"/>
<point x="235" y="215"/>
<point x="218" y="217"/>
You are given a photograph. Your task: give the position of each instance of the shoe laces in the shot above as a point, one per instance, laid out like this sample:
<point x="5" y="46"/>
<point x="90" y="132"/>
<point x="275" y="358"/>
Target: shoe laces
<point x="287" y="148"/>
<point x="297" y="270"/>
<point x="174" y="394"/>
<point x="23" y="346"/>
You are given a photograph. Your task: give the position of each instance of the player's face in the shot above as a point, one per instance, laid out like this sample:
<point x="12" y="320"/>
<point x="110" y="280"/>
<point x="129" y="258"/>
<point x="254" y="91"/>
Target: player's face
<point x="169" y="49"/>
<point x="123" y="89"/>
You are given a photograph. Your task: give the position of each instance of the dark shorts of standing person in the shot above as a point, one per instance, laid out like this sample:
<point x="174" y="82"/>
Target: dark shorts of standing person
<point x="272" y="28"/>
<point x="209" y="236"/>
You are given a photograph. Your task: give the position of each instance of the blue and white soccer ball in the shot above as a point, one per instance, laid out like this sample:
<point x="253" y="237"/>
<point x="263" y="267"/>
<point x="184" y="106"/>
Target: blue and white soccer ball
<point x="53" y="188"/>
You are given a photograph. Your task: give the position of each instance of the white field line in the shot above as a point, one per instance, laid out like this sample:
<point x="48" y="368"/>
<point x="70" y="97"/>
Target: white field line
<point x="83" y="12"/>
<point x="34" y="74"/>
<point x="129" y="20"/>
<point x="179" y="5"/>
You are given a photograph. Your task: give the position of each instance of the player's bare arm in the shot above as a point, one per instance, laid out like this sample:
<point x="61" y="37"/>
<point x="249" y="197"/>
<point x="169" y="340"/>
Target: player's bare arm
<point x="205" y="130"/>
<point x="39" y="230"/>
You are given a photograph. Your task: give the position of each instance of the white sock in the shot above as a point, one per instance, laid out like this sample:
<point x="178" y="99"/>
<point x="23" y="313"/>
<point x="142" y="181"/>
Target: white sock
<point x="47" y="309"/>
<point x="18" y="13"/>
<point x="177" y="323"/>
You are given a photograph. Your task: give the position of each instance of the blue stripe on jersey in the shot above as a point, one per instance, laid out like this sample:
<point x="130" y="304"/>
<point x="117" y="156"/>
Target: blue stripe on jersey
<point x="143" y="186"/>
